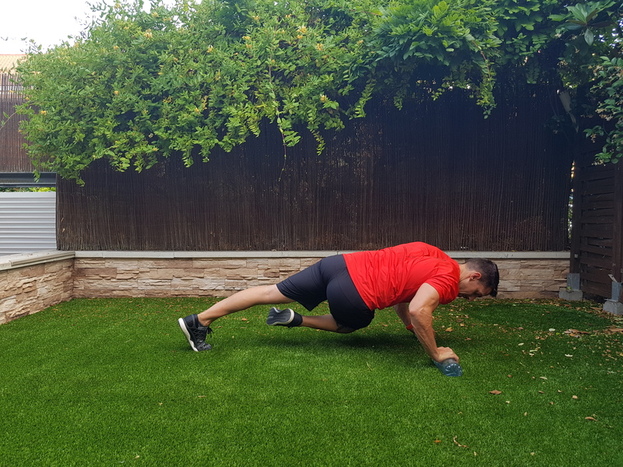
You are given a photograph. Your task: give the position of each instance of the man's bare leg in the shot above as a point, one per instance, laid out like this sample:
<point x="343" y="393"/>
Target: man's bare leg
<point x="322" y="322"/>
<point x="197" y="327"/>
<point x="260" y="295"/>
<point x="325" y="323"/>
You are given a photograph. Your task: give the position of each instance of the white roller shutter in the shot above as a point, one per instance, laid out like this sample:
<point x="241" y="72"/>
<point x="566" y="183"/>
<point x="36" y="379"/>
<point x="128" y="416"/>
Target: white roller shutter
<point x="27" y="222"/>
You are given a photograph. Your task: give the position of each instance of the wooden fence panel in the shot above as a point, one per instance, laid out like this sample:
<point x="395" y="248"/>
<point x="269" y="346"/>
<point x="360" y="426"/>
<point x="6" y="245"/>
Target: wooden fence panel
<point x="599" y="218"/>
<point x="13" y="157"/>
<point x="437" y="172"/>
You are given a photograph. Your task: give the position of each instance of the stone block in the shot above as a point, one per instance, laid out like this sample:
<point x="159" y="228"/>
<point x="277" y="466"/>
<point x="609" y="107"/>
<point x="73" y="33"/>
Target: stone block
<point x="565" y="293"/>
<point x="126" y="275"/>
<point x="162" y="274"/>
<point x="270" y="273"/>
<point x="204" y="264"/>
<point x="233" y="264"/>
<point x="153" y="283"/>
<point x="102" y="272"/>
<point x="613" y="306"/>
<point x="193" y="272"/>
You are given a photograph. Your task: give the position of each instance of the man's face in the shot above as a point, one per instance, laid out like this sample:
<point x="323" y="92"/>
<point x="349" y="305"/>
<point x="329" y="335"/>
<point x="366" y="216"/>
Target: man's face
<point x="471" y="287"/>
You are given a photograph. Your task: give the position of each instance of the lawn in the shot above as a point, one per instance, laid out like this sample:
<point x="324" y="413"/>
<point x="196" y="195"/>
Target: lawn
<point x="112" y="381"/>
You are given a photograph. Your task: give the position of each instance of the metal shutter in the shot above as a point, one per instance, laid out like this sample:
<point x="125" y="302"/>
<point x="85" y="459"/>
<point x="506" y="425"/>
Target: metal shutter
<point x="27" y="222"/>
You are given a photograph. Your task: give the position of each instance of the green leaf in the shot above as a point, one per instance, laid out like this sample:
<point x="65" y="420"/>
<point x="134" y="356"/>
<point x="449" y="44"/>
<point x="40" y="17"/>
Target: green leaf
<point x="589" y="36"/>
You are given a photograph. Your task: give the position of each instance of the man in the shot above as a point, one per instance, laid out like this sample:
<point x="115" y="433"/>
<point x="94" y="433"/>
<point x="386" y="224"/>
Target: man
<point x="414" y="278"/>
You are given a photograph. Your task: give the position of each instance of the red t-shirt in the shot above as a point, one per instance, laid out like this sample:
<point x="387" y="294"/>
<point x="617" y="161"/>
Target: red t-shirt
<point x="393" y="275"/>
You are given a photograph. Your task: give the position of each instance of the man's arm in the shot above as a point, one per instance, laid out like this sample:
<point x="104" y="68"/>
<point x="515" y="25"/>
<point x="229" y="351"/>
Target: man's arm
<point x="402" y="310"/>
<point x="421" y="309"/>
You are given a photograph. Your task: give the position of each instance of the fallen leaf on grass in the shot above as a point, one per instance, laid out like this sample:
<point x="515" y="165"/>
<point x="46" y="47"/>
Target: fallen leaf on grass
<point x="590" y="419"/>
<point x="495" y="392"/>
<point x="458" y="444"/>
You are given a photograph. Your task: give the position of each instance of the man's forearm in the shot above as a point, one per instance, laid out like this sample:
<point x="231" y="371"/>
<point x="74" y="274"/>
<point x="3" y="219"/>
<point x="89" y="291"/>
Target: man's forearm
<point x="402" y="310"/>
<point x="421" y="309"/>
<point x="423" y="328"/>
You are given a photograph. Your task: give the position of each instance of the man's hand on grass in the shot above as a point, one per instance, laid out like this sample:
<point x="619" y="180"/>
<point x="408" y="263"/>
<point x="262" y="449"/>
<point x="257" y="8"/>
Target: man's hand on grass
<point x="443" y="353"/>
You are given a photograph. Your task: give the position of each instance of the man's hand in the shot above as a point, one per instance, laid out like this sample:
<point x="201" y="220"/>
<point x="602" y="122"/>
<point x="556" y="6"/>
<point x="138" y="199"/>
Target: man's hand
<point x="443" y="353"/>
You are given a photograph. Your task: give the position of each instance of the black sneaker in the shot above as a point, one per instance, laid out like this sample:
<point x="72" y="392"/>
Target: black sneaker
<point x="285" y="317"/>
<point x="195" y="332"/>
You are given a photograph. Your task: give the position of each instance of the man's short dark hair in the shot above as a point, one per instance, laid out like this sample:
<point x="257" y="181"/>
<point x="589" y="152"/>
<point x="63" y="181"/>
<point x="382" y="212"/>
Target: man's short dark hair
<point x="489" y="270"/>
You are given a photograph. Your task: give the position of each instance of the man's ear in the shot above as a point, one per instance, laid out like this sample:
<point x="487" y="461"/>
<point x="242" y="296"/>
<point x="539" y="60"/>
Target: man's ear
<point x="475" y="275"/>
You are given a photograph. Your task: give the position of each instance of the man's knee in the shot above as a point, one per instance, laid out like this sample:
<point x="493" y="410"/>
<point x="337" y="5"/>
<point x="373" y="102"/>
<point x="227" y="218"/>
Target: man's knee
<point x="344" y="329"/>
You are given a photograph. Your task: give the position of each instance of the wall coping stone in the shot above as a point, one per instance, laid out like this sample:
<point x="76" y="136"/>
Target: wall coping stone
<point x="30" y="259"/>
<point x="545" y="255"/>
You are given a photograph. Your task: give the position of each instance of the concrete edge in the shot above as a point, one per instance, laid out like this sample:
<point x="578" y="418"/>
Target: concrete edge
<point x="309" y="254"/>
<point x="203" y="254"/>
<point x="30" y="259"/>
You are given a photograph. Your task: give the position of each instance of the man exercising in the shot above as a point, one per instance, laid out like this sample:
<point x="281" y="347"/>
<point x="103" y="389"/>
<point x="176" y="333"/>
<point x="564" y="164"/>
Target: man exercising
<point x="414" y="278"/>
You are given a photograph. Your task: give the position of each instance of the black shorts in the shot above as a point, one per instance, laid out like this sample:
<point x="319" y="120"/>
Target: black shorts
<point x="329" y="280"/>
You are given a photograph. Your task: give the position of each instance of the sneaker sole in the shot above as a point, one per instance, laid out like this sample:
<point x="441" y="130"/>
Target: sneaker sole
<point x="186" y="333"/>
<point x="282" y="323"/>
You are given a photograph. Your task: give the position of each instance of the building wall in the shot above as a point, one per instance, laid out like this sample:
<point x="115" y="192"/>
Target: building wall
<point x="31" y="283"/>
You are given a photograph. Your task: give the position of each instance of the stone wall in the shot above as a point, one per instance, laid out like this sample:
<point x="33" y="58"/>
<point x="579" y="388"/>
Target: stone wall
<point x="532" y="278"/>
<point x="171" y="274"/>
<point x="30" y="283"/>
<point x="113" y="274"/>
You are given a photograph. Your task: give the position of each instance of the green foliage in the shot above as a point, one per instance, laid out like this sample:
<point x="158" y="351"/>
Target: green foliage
<point x="438" y="45"/>
<point x="610" y="86"/>
<point x="148" y="82"/>
<point x="182" y="81"/>
<point x="595" y="48"/>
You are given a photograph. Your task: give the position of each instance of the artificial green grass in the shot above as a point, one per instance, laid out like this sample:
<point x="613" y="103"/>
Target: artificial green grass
<point x="113" y="381"/>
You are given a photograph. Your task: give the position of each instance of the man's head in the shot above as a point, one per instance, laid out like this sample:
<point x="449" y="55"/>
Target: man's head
<point x="479" y="277"/>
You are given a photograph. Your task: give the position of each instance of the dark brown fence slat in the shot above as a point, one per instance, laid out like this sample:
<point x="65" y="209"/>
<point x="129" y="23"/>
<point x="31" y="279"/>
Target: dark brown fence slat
<point x="598" y="250"/>
<point x="595" y="215"/>
<point x="599" y="262"/>
<point x="597" y="287"/>
<point x="437" y="172"/>
<point x="599" y="189"/>
<point x="13" y="157"/>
